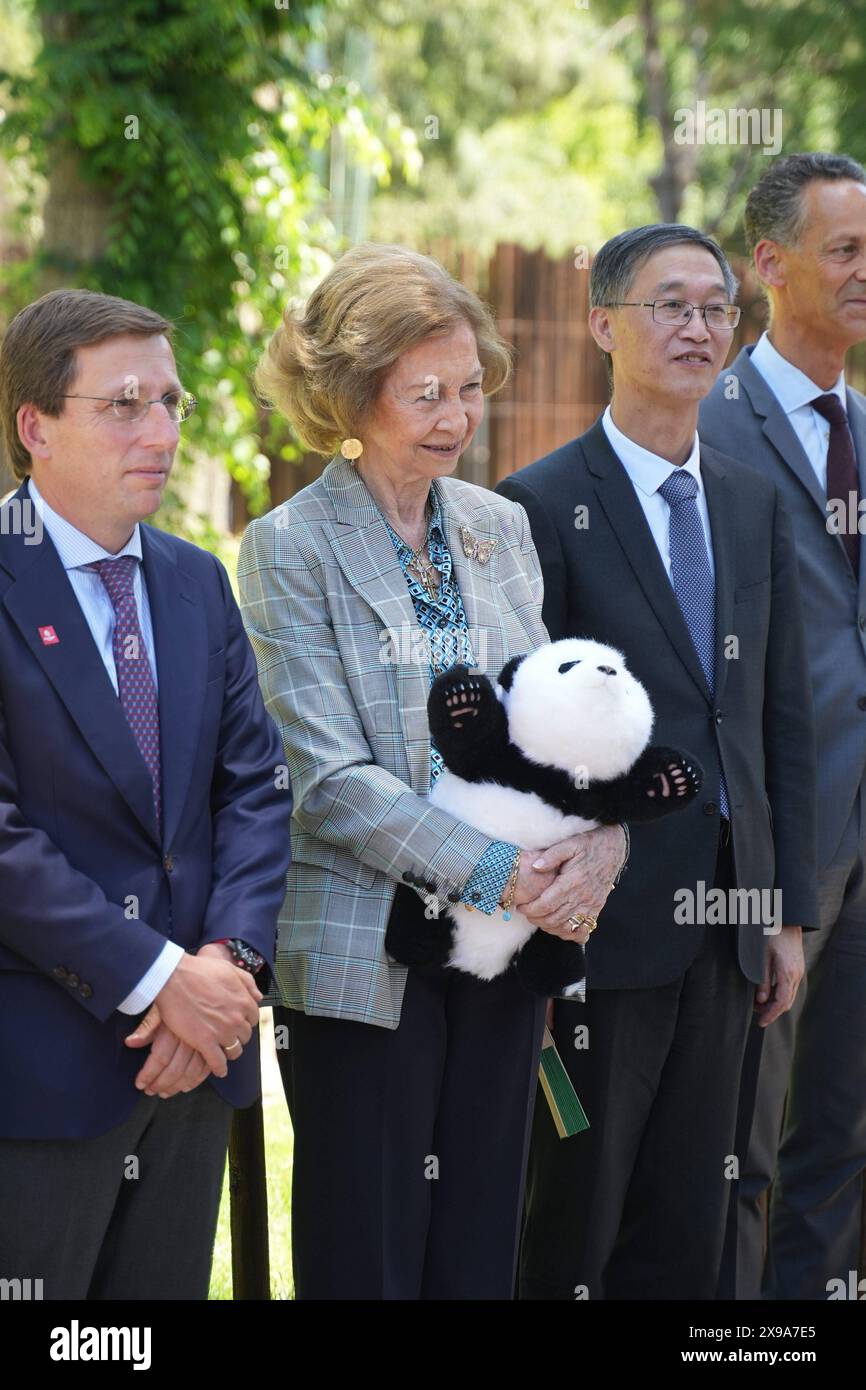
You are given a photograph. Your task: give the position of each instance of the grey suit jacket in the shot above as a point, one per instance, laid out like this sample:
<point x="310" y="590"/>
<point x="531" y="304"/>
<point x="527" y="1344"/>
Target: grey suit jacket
<point x="605" y="578"/>
<point x="331" y="621"/>
<point x="754" y="428"/>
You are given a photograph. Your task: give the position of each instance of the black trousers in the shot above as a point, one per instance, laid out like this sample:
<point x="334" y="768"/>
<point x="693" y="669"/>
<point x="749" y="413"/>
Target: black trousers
<point x="130" y="1214"/>
<point x="411" y="1144"/>
<point x="635" y="1207"/>
<point x="808" y="1137"/>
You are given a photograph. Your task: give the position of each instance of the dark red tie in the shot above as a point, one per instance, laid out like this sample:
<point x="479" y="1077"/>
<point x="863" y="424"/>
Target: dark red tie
<point x="842" y="477"/>
<point x="135" y="685"/>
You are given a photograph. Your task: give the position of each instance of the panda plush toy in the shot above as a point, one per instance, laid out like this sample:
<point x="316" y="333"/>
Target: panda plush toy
<point x="557" y="747"/>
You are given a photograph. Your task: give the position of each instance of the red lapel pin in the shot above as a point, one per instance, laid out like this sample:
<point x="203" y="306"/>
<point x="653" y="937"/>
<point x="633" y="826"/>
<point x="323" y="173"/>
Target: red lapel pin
<point x="49" y="636"/>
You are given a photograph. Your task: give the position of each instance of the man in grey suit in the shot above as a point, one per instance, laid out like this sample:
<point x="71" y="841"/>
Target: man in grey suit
<point x="783" y="407"/>
<point x="682" y="558"/>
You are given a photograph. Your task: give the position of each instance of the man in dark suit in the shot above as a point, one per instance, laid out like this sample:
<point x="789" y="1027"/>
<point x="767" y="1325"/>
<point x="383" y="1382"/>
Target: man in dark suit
<point x="682" y="558"/>
<point x="144" y="834"/>
<point x="784" y="408"/>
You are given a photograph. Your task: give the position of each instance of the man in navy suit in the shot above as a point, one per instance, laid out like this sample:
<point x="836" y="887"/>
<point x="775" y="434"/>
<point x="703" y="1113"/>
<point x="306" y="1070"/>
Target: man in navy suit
<point x="144" y="823"/>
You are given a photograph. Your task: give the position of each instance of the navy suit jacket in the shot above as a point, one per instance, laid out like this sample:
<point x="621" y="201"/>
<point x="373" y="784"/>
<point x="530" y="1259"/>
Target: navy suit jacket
<point x="89" y="891"/>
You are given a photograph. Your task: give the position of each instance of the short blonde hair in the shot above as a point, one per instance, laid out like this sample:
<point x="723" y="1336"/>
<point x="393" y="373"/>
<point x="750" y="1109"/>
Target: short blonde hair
<point x="323" y="369"/>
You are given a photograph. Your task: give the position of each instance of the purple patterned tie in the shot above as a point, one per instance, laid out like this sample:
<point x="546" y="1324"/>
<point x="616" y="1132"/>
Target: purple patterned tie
<point x="135" y="684"/>
<point x="842" y="478"/>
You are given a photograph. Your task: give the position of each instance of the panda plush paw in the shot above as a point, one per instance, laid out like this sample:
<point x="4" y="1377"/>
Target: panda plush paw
<point x="551" y="966"/>
<point x="464" y="700"/>
<point x="467" y="721"/>
<point x="655" y="768"/>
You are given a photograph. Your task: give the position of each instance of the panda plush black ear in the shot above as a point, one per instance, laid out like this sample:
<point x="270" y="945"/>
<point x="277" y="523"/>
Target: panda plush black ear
<point x="506" y="675"/>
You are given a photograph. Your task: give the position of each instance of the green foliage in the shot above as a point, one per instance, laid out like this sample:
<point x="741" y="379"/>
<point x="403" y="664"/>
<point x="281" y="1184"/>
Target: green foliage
<point x="258" y="125"/>
<point x="571" y="172"/>
<point x="806" y="61"/>
<point x="479" y="85"/>
<point x="547" y="117"/>
<point x="198" y="125"/>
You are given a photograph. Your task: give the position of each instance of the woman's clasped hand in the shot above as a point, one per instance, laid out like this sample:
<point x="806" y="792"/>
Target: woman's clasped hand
<point x="570" y="879"/>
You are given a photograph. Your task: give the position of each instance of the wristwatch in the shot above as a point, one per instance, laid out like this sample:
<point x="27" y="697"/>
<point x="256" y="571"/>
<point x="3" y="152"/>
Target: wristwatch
<point x="242" y="954"/>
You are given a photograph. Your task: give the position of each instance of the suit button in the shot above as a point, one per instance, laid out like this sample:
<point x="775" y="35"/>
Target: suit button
<point x="73" y="981"/>
<point x="168" y="863"/>
<point x="718" y="716"/>
<point x="861" y="703"/>
<point x="59" y="972"/>
<point x="710" y="808"/>
<point x="85" y="991"/>
<point x="453" y="897"/>
<point x="431" y="886"/>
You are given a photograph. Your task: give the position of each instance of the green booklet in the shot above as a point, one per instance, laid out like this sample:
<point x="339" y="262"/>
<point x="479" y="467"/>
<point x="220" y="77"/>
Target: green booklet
<point x="565" y="1107"/>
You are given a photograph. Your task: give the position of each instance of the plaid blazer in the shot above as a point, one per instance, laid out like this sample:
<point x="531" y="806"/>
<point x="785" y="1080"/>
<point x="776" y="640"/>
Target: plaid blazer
<point x="345" y="675"/>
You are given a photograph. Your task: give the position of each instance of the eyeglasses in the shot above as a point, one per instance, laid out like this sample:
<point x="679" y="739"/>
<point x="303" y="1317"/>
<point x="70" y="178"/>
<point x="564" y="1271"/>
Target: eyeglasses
<point x="179" y="404"/>
<point x="677" y="311"/>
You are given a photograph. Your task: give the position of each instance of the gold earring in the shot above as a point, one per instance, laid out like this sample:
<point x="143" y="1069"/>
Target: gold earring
<point x="351" y="449"/>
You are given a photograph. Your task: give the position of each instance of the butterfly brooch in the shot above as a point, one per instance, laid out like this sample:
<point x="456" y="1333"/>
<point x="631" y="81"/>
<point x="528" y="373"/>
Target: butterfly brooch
<point x="474" y="549"/>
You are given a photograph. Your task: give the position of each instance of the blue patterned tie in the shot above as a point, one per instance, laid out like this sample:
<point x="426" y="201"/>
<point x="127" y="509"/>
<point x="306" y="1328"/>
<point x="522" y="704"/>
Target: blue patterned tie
<point x="692" y="579"/>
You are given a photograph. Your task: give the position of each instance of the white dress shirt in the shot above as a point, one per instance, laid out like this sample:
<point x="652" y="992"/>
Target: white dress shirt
<point x="76" y="550"/>
<point x="647" y="472"/>
<point x="794" y="390"/>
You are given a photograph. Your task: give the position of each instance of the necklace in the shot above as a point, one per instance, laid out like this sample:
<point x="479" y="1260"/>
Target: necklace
<point x="421" y="567"/>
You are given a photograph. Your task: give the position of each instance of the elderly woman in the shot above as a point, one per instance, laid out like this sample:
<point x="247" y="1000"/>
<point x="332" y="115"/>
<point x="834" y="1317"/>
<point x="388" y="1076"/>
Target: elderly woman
<point x="410" y="1090"/>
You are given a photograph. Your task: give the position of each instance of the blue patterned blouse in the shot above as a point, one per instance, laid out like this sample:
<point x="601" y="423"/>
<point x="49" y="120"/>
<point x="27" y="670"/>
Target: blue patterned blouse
<point x="444" y="621"/>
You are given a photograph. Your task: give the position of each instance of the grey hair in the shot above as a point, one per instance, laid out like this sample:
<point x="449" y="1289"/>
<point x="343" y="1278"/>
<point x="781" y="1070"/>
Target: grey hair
<point x="774" y="207"/>
<point x="617" y="262"/>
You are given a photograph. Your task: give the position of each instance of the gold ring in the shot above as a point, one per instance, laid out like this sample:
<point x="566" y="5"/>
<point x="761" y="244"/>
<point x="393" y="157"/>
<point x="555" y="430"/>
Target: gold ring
<point x="583" y="921"/>
<point x="237" y="1043"/>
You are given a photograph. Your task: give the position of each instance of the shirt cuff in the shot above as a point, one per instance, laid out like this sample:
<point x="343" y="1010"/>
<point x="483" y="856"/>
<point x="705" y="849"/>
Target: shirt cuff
<point x="578" y="995"/>
<point x="486" y="885"/>
<point x="152" y="982"/>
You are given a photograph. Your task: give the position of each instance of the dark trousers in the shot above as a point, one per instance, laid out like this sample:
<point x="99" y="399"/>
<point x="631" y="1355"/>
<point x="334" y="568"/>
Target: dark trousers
<point x="411" y="1144"/>
<point x="635" y="1207"/>
<point x="130" y="1214"/>
<point x="808" y="1070"/>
